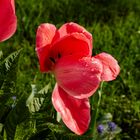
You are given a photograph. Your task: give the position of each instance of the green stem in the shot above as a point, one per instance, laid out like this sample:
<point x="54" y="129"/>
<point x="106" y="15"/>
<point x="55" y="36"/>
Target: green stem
<point x="109" y="136"/>
<point x="95" y="103"/>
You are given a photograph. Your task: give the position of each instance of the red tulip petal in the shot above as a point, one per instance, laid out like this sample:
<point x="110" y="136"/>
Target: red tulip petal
<point x="111" y="68"/>
<point x="75" y="43"/>
<point x="71" y="27"/>
<point x="44" y="61"/>
<point x="13" y="5"/>
<point x="45" y="35"/>
<point x="75" y="113"/>
<point x="50" y="46"/>
<point x="78" y="77"/>
<point x="8" y="20"/>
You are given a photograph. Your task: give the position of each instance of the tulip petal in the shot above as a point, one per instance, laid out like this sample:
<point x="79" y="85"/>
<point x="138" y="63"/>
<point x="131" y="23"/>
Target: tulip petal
<point x="76" y="43"/>
<point x="8" y="20"/>
<point x="75" y="113"/>
<point x="71" y="27"/>
<point x="13" y="5"/>
<point x="69" y="45"/>
<point x="80" y="78"/>
<point x="50" y="46"/>
<point x="45" y="35"/>
<point x="111" y="68"/>
<point x="44" y="61"/>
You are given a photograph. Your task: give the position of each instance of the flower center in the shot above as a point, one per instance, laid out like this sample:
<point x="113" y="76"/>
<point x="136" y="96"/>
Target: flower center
<point x="52" y="59"/>
<point x="55" y="59"/>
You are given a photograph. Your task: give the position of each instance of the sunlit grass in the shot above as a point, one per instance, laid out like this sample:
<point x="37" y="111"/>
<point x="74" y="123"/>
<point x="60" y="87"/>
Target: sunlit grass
<point x="114" y="31"/>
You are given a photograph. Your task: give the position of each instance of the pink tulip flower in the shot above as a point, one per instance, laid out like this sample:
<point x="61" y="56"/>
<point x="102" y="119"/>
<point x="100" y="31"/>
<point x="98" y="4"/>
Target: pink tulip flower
<point x="67" y="53"/>
<point x="8" y="20"/>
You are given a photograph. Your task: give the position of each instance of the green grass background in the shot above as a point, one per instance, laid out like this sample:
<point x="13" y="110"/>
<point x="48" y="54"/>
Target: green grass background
<point x="115" y="26"/>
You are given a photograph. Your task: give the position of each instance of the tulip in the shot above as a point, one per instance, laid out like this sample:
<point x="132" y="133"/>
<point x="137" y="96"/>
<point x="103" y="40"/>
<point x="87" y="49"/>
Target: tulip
<point x="67" y="53"/>
<point x="8" y="20"/>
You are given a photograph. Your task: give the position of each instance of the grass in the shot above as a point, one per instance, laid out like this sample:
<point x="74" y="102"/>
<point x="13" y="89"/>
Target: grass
<point x="114" y="26"/>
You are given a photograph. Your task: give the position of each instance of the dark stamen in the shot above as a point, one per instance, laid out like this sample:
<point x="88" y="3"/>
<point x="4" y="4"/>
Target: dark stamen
<point x="52" y="59"/>
<point x="59" y="55"/>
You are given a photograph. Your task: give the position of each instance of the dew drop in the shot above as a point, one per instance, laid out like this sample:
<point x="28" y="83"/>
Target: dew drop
<point x="92" y="77"/>
<point x="83" y="31"/>
<point x="86" y="65"/>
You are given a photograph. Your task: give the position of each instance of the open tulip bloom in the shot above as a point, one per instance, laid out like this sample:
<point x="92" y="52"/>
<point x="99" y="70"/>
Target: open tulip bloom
<point x="67" y="53"/>
<point x="8" y="20"/>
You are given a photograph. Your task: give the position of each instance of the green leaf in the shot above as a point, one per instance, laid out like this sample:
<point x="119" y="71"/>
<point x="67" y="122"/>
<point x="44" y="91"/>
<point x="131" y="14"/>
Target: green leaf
<point x="1" y="55"/>
<point x="1" y="126"/>
<point x="35" y="99"/>
<point x="1" y="138"/>
<point x="105" y="118"/>
<point x="8" y="71"/>
<point x="17" y="115"/>
<point x="56" y="128"/>
<point x="4" y="110"/>
<point x="8" y="65"/>
<point x="8" y="61"/>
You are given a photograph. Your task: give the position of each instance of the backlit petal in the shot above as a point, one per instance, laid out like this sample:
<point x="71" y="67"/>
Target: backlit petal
<point x="75" y="43"/>
<point x="71" y="27"/>
<point x="44" y="61"/>
<point x="50" y="46"/>
<point x="8" y="20"/>
<point x="111" y="68"/>
<point x="75" y="113"/>
<point x="78" y="77"/>
<point x="44" y="37"/>
<point x="13" y="5"/>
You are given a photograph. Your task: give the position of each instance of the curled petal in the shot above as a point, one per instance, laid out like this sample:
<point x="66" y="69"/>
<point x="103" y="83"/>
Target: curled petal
<point x="8" y="20"/>
<point x="50" y="45"/>
<point x="111" y="68"/>
<point x="75" y="113"/>
<point x="13" y="5"/>
<point x="71" y="27"/>
<point x="69" y="45"/>
<point x="75" y="43"/>
<point x="80" y="78"/>
<point x="45" y="35"/>
<point x="43" y="56"/>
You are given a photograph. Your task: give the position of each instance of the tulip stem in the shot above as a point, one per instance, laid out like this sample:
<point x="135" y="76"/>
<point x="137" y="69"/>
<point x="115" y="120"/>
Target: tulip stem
<point x="95" y="103"/>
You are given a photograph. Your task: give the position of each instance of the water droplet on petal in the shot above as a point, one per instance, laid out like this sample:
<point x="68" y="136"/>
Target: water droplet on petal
<point x="92" y="77"/>
<point x="94" y="62"/>
<point x="86" y="65"/>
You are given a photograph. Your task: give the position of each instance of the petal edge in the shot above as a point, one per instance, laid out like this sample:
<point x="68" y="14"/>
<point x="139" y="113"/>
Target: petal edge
<point x="8" y="19"/>
<point x="111" y="69"/>
<point x="75" y="113"/>
<point x="80" y="78"/>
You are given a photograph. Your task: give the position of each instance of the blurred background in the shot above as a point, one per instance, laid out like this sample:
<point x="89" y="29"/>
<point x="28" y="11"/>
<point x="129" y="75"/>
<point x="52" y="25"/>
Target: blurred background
<point x="115" y="26"/>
